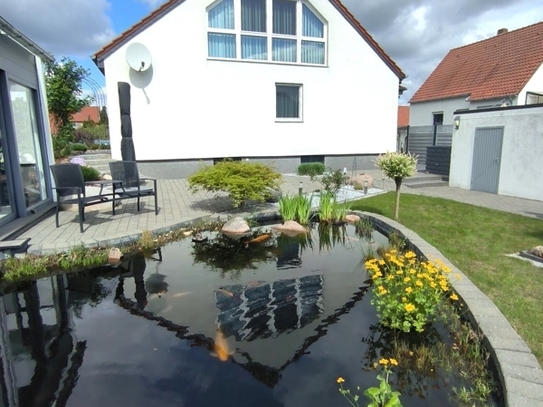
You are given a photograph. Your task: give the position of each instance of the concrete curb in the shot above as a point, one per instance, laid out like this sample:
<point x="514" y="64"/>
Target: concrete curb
<point x="519" y="371"/>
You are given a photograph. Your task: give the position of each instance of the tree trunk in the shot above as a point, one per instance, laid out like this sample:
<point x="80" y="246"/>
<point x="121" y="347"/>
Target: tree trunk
<point x="398" y="181"/>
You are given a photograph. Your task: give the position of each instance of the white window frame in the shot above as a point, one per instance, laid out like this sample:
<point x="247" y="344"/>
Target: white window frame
<point x="270" y="35"/>
<point x="300" y="117"/>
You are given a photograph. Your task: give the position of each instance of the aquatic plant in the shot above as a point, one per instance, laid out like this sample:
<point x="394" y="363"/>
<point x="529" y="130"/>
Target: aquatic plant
<point x="382" y="396"/>
<point x="407" y="293"/>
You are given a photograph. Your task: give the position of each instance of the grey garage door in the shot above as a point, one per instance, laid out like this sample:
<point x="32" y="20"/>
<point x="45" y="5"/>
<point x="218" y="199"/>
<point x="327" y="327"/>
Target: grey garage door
<point x="487" y="153"/>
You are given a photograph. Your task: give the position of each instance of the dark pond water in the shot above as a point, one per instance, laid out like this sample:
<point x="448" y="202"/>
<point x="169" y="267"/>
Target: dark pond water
<point x="216" y="324"/>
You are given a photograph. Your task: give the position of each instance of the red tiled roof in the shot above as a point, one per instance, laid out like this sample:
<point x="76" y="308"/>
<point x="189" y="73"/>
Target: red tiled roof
<point x="171" y="4"/>
<point x="91" y="113"/>
<point x="403" y="116"/>
<point x="493" y="68"/>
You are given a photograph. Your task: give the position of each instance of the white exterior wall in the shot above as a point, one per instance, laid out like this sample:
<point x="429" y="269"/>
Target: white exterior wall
<point x="421" y="114"/>
<point x="535" y="84"/>
<point x="199" y="108"/>
<point x="521" y="172"/>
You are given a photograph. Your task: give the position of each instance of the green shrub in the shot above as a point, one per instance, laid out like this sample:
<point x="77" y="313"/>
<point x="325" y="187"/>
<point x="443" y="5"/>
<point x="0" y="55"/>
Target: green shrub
<point x="242" y="180"/>
<point x="79" y="147"/>
<point x="62" y="142"/>
<point x="332" y="180"/>
<point x="90" y="174"/>
<point x="311" y="169"/>
<point x="88" y="134"/>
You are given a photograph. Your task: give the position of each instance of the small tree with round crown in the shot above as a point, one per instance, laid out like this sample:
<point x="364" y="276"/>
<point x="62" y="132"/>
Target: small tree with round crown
<point x="397" y="166"/>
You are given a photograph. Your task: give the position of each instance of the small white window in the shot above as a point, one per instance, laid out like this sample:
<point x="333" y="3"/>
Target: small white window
<point x="288" y="102"/>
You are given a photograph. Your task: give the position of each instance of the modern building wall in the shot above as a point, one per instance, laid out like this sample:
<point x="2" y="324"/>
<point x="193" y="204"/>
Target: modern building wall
<point x="188" y="107"/>
<point x="521" y="172"/>
<point x="25" y="147"/>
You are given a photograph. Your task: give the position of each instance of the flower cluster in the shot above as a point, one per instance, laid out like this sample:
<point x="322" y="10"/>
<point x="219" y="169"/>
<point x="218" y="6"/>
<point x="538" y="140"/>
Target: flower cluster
<point x="406" y="292"/>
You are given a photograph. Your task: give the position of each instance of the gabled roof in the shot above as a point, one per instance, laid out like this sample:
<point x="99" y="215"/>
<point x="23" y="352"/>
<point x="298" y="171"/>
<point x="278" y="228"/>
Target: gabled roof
<point x="489" y="69"/>
<point x="9" y="30"/>
<point x="107" y="50"/>
<point x="91" y="113"/>
<point x="403" y="116"/>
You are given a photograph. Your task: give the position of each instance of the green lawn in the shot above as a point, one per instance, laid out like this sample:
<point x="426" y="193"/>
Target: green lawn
<point x="477" y="240"/>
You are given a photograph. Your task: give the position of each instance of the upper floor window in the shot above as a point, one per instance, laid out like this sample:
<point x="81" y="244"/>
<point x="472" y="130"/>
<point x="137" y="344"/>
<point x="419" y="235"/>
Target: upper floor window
<point x="266" y="30"/>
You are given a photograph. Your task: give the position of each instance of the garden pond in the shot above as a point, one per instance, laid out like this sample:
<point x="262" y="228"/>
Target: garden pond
<point x="227" y="322"/>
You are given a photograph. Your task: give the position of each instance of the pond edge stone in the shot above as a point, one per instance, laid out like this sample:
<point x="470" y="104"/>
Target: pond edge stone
<point x="520" y="374"/>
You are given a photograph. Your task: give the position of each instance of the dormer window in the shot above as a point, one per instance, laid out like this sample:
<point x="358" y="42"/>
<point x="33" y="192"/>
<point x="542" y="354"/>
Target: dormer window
<point x="284" y="31"/>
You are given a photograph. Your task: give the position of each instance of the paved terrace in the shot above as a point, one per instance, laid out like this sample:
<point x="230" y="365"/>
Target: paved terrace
<point x="519" y="370"/>
<point x="178" y="205"/>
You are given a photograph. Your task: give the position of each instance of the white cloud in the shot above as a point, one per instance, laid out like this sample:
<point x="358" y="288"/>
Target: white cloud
<point x="62" y="27"/>
<point x="152" y="4"/>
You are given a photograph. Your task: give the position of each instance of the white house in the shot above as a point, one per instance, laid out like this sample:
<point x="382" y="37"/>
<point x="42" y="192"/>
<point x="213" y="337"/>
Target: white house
<point x="25" y="140"/>
<point x="281" y="81"/>
<point x="504" y="70"/>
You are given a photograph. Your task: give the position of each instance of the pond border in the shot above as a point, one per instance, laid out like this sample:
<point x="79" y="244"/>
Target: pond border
<point x="519" y="371"/>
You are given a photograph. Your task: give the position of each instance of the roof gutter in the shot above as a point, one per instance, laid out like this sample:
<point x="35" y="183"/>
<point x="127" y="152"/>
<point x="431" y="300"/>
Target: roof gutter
<point x="15" y="35"/>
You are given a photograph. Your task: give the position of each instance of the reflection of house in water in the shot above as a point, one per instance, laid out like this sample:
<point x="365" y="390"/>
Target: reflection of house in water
<point x="288" y="255"/>
<point x="39" y="351"/>
<point x="263" y="310"/>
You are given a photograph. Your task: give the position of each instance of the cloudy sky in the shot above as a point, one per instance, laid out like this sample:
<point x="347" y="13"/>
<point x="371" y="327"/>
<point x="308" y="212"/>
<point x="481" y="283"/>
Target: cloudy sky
<point x="415" y="33"/>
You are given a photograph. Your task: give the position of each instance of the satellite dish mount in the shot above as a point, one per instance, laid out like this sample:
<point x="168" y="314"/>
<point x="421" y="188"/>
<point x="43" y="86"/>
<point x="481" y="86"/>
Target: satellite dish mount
<point x="138" y="57"/>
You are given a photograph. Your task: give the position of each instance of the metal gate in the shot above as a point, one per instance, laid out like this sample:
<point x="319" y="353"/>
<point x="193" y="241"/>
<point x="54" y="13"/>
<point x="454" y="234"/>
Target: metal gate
<point x="421" y="137"/>
<point x="487" y="153"/>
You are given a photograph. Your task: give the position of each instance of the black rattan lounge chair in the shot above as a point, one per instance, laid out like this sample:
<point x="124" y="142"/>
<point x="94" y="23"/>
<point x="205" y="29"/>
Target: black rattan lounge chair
<point x="70" y="189"/>
<point x="130" y="187"/>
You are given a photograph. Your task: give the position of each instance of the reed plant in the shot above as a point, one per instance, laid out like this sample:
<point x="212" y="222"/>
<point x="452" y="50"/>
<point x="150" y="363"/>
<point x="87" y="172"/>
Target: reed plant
<point x="297" y="207"/>
<point x="326" y="202"/>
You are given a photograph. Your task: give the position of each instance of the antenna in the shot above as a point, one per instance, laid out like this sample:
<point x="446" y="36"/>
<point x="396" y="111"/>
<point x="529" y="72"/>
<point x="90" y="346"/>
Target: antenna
<point x="138" y="57"/>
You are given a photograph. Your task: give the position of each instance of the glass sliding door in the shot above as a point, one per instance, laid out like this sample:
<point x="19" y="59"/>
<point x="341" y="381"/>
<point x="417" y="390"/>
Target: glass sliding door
<point x="5" y="201"/>
<point x="28" y="143"/>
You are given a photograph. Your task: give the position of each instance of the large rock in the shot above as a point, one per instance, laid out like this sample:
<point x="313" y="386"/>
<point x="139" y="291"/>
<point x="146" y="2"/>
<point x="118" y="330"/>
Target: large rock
<point x="536" y="251"/>
<point x="291" y="228"/>
<point x="236" y="226"/>
<point x="361" y="178"/>
<point x="351" y="218"/>
<point x="114" y="256"/>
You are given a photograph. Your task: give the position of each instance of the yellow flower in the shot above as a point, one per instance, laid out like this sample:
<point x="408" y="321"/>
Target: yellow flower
<point x="399" y="272"/>
<point x="381" y="262"/>
<point x="454" y="297"/>
<point x="406" y="280"/>
<point x="383" y="292"/>
<point x="413" y="271"/>
<point x="410" y="255"/>
<point x="393" y="362"/>
<point x="390" y="277"/>
<point x="340" y="380"/>
<point x="409" y="307"/>
<point x="384" y="361"/>
<point x="408" y="290"/>
<point x="404" y="299"/>
<point x="419" y="283"/>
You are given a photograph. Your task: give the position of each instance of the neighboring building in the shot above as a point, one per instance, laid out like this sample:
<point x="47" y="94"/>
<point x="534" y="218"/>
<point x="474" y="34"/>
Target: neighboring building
<point x="403" y="127"/>
<point x="25" y="142"/>
<point x="504" y="70"/>
<point x="87" y="114"/>
<point x="280" y="81"/>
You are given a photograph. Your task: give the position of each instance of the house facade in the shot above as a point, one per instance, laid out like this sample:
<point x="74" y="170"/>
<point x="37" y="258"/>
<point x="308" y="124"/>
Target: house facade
<point x="504" y="70"/>
<point x="25" y="141"/>
<point x="280" y="81"/>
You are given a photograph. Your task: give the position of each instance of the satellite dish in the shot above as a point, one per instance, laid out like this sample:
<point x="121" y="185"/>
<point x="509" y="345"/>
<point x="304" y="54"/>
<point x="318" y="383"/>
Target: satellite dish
<point x="138" y="57"/>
